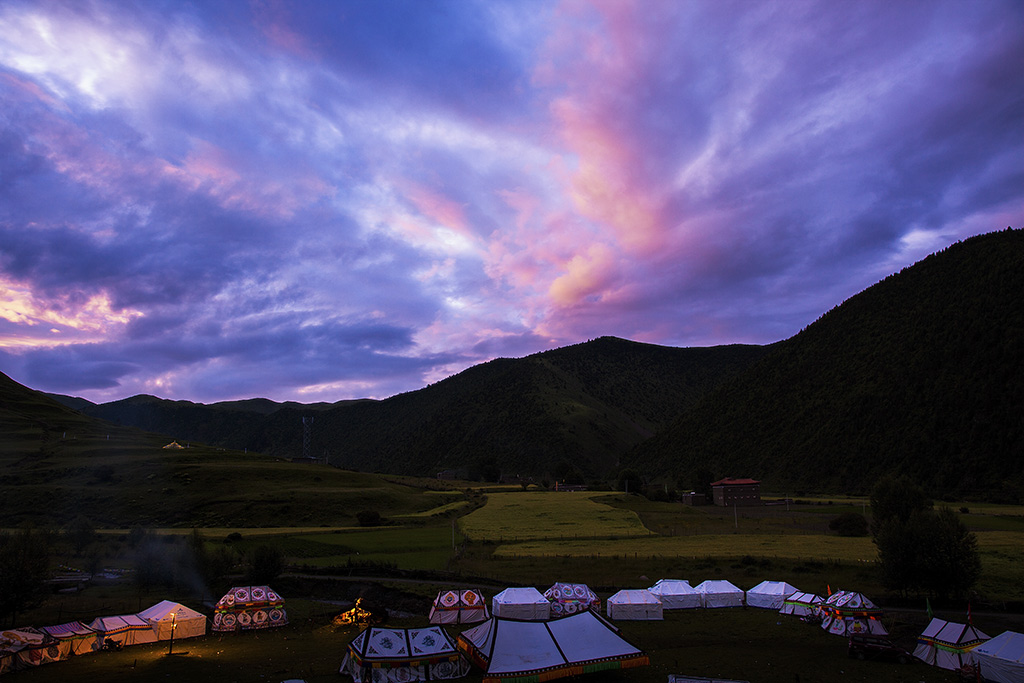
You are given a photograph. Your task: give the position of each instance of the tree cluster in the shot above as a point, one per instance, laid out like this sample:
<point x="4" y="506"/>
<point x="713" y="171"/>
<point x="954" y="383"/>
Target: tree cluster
<point x="921" y="550"/>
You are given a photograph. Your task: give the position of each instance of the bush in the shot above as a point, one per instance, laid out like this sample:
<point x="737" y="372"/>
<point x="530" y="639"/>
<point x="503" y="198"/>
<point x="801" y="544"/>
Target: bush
<point x="849" y="524"/>
<point x="368" y="518"/>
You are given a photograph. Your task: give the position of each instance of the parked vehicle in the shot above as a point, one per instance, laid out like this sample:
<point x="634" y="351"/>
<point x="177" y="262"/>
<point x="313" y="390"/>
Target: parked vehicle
<point x="865" y="646"/>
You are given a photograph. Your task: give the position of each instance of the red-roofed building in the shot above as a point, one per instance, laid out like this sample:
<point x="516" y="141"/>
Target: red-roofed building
<point x="736" y="492"/>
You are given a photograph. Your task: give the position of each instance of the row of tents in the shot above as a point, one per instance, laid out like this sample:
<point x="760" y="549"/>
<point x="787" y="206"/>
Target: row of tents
<point x="506" y="650"/>
<point x="944" y="644"/>
<point x="241" y="608"/>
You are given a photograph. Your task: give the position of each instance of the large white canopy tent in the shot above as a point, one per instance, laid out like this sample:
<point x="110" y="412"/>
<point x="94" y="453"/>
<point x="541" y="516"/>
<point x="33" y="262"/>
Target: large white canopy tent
<point x="1002" y="658"/>
<point x="521" y="603"/>
<point x="948" y="645"/>
<point x="770" y="594"/>
<point x="167" y="617"/>
<point x="511" y="651"/>
<point x="399" y="655"/>
<point x="676" y="594"/>
<point x="455" y="606"/>
<point x="719" y="594"/>
<point x="635" y="604"/>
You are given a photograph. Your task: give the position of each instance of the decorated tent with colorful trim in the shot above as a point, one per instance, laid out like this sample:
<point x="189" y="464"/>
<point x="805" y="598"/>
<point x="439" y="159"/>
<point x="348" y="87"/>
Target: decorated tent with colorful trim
<point x="167" y="617"/>
<point x="802" y="604"/>
<point x="769" y="594"/>
<point x="398" y="655"/>
<point x="75" y="638"/>
<point x="948" y="645"/>
<point x="676" y="594"/>
<point x="848" y="612"/>
<point x="26" y="647"/>
<point x="244" y="608"/>
<point x="521" y="603"/>
<point x="512" y="651"/>
<point x="570" y="598"/>
<point x="455" y="606"/>
<point x="126" y="629"/>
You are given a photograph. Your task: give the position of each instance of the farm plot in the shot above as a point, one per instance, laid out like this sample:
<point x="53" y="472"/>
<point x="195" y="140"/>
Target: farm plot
<point x="547" y="515"/>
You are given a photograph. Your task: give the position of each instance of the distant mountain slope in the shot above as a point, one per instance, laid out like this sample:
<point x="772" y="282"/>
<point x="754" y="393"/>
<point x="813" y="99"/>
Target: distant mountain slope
<point x="584" y="405"/>
<point x="921" y="374"/>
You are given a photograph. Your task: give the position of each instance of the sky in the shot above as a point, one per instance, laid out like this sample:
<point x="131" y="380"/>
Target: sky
<point x="317" y="201"/>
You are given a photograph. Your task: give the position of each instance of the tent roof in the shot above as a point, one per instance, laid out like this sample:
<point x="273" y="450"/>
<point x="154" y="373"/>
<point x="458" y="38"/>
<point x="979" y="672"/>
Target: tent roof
<point x="1008" y="645"/>
<point x="563" y="592"/>
<point x="509" y="649"/>
<point x="244" y="596"/>
<point x="805" y="598"/>
<point x="635" y="596"/>
<point x="718" y="586"/>
<point x="774" y="588"/>
<point x="672" y="587"/>
<point x="71" y="629"/>
<point x="164" y="609"/>
<point x="951" y="633"/>
<point x="520" y="595"/>
<point x="402" y="646"/>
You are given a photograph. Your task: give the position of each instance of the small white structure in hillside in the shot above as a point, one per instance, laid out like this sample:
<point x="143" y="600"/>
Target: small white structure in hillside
<point x="638" y="604"/>
<point x="770" y="594"/>
<point x="676" y="594"/>
<point x="1002" y="658"/>
<point x="521" y="603"/>
<point x="719" y="594"/>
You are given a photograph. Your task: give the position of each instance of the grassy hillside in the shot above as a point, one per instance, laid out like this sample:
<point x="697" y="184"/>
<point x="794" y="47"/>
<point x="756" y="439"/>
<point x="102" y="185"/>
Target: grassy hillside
<point x="921" y="374"/>
<point x="580" y="406"/>
<point x="58" y="464"/>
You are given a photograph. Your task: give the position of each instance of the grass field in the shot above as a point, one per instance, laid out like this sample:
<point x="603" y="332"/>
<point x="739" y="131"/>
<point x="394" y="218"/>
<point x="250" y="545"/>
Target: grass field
<point x="547" y="515"/>
<point x="537" y="538"/>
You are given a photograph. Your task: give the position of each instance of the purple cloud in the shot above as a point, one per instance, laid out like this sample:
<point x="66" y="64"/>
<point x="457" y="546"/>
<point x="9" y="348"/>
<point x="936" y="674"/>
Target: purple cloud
<point x="320" y="201"/>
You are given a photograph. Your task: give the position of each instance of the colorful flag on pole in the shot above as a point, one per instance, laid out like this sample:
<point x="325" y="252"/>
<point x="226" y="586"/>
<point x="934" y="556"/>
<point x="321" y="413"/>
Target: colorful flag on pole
<point x="969" y="613"/>
<point x="928" y="606"/>
<point x="829" y="587"/>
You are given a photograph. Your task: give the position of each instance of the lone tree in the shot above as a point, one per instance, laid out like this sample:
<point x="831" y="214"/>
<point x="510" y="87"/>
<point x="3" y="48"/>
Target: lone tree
<point x="24" y="562"/>
<point x="921" y="549"/>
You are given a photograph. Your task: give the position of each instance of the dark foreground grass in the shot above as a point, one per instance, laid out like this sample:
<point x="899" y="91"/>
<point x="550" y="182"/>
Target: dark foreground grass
<point x="753" y="645"/>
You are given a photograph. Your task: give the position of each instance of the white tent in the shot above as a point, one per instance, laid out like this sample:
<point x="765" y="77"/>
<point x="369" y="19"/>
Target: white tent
<point x="74" y="638"/>
<point x="847" y="612"/>
<point x="520" y="651"/>
<point x="948" y="645"/>
<point x="639" y="604"/>
<point x="770" y="594"/>
<point x="676" y="594"/>
<point x="521" y="603"/>
<point x="569" y="598"/>
<point x="802" y="604"/>
<point x="719" y="594"/>
<point x="1002" y="658"/>
<point x="456" y="606"/>
<point x="399" y="655"/>
<point x="167" y="616"/>
<point x="127" y="629"/>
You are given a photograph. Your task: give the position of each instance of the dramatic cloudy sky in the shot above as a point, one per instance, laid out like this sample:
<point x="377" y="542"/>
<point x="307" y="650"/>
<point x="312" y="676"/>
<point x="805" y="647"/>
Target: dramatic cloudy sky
<point x="325" y="200"/>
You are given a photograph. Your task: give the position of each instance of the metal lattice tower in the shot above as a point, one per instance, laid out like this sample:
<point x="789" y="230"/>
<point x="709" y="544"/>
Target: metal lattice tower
<point x="307" y="428"/>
